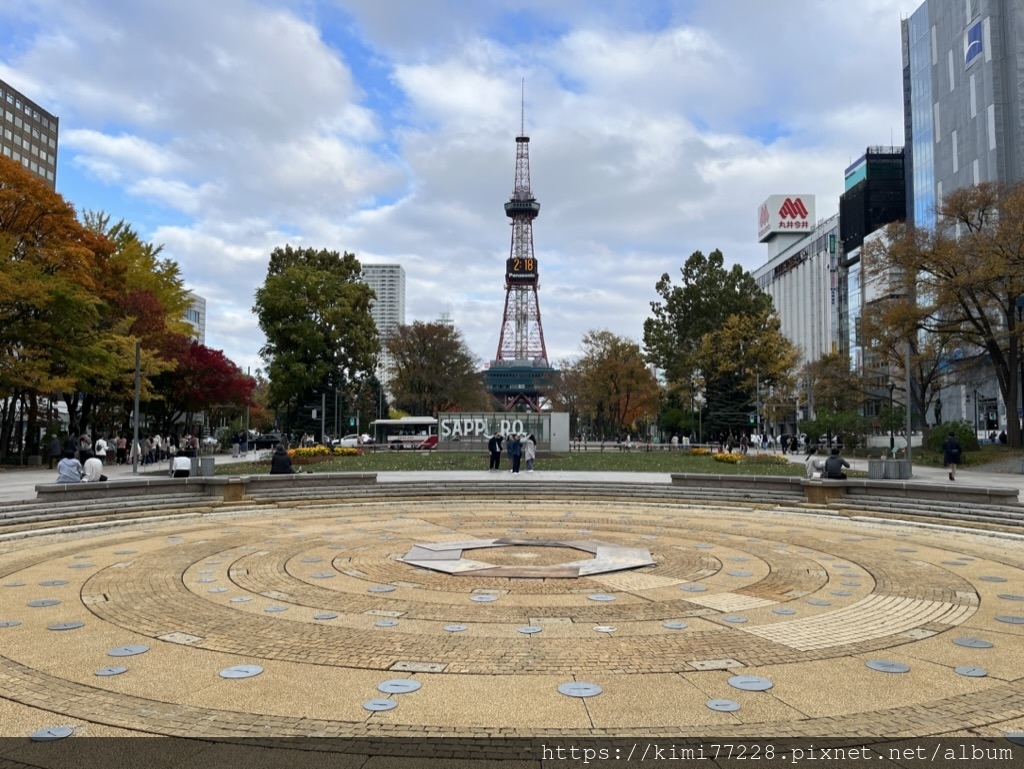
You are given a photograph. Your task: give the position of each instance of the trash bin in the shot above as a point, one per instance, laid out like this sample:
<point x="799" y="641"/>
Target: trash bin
<point x="194" y="472"/>
<point x="876" y="468"/>
<point x="235" y="450"/>
<point x="897" y="469"/>
<point x="206" y="469"/>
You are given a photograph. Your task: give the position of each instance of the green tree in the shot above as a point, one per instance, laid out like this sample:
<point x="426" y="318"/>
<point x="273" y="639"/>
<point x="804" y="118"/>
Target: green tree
<point x="743" y="353"/>
<point x="434" y="370"/>
<point x="314" y="310"/>
<point x="707" y="295"/>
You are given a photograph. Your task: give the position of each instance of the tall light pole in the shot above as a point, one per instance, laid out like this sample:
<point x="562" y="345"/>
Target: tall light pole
<point x="892" y="421"/>
<point x="138" y="389"/>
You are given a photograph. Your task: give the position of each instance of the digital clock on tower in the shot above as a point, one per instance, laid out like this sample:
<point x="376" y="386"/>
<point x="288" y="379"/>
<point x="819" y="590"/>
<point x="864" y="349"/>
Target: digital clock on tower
<point x="521" y="270"/>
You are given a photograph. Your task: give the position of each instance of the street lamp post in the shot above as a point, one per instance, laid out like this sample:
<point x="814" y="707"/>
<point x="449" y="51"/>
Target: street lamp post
<point x="892" y="433"/>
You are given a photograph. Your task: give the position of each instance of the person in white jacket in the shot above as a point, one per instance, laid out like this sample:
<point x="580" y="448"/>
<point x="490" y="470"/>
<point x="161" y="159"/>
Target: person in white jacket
<point x="92" y="471"/>
<point x="529" y="452"/>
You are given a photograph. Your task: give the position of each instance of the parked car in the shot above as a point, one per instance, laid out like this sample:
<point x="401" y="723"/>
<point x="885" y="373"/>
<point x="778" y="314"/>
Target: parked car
<point x="265" y="441"/>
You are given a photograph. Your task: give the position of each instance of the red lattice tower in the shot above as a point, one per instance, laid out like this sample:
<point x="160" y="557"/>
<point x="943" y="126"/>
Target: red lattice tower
<point x="522" y="335"/>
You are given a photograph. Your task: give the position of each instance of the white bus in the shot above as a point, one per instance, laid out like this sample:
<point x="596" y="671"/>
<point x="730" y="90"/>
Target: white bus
<point x="406" y="433"/>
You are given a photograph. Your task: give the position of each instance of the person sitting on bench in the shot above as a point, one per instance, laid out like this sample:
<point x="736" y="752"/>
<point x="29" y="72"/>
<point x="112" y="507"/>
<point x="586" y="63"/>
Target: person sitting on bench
<point x="181" y="466"/>
<point x="834" y="466"/>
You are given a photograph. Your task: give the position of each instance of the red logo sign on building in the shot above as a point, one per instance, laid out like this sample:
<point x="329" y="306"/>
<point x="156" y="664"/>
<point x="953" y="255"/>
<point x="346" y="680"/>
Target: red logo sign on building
<point x="794" y="209"/>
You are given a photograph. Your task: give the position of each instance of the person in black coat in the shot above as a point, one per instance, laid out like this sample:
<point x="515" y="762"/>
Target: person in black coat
<point x="951" y="455"/>
<point x="280" y="462"/>
<point x="494" y="446"/>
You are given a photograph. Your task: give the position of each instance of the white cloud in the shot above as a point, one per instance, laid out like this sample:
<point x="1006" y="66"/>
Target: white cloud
<point x="128" y="152"/>
<point x="238" y="126"/>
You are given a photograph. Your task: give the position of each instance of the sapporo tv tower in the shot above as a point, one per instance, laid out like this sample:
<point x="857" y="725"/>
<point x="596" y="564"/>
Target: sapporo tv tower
<point x="520" y="375"/>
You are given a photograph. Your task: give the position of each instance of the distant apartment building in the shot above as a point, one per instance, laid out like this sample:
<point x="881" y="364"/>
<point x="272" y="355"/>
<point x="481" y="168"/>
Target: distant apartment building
<point x="388" y="309"/>
<point x="28" y="134"/>
<point x="195" y="315"/>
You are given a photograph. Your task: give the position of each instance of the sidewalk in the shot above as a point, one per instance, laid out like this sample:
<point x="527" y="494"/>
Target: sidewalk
<point x="20" y="483"/>
<point x="938" y="475"/>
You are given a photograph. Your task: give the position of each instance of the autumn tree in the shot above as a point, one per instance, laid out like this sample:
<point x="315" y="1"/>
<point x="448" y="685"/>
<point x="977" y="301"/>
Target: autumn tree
<point x="203" y="380"/>
<point x="832" y="383"/>
<point x="565" y="392"/>
<point x="617" y="391"/>
<point x="966" y="278"/>
<point x="434" y="370"/>
<point x="48" y="306"/>
<point x="314" y="310"/>
<point x="897" y="324"/>
<point x="143" y="299"/>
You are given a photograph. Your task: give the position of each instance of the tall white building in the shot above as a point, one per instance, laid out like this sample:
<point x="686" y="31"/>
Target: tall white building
<point x="388" y="310"/>
<point x="801" y="274"/>
<point x="195" y="314"/>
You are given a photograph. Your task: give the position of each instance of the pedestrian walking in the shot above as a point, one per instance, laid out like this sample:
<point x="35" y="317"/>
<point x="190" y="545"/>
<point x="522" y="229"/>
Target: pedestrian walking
<point x="530" y="452"/>
<point x="494" y="447"/>
<point x="121" y="449"/>
<point x="951" y="452"/>
<point x="100" y="450"/>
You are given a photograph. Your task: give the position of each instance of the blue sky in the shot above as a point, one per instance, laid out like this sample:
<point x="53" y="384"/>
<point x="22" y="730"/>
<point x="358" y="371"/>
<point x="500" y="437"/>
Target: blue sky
<point x="386" y="128"/>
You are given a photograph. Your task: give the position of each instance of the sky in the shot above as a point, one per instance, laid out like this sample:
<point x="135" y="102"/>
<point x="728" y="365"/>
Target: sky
<point x="386" y="128"/>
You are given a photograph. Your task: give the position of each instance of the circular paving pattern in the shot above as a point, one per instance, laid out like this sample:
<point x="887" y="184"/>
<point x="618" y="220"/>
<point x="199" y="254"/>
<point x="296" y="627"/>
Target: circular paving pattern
<point x="319" y="601"/>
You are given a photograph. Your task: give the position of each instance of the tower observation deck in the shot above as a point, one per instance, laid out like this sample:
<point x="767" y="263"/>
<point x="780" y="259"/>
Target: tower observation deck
<point x="520" y="374"/>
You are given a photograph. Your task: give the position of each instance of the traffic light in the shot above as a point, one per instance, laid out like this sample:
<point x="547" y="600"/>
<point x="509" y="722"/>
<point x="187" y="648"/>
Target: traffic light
<point x="752" y="418"/>
<point x="351" y="421"/>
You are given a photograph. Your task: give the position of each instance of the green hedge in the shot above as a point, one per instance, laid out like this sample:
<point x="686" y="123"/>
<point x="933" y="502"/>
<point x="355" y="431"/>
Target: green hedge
<point x="963" y="431"/>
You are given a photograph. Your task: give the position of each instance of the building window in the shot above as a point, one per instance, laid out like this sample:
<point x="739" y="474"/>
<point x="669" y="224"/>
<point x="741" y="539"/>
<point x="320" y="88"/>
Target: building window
<point x="972" y="43"/>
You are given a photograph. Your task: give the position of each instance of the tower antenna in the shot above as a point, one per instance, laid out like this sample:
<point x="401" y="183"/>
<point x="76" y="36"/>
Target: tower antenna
<point x="522" y="107"/>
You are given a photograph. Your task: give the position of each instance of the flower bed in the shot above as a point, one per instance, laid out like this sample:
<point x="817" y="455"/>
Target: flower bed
<point x="732" y="459"/>
<point x="319" y="452"/>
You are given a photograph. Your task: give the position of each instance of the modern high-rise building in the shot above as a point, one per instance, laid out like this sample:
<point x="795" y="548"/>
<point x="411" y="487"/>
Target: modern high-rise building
<point x="28" y="134"/>
<point x="388" y="309"/>
<point x="963" y="94"/>
<point x="876" y="194"/>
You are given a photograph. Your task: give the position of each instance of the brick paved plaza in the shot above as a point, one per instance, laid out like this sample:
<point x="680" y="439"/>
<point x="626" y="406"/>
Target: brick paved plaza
<point x="317" y="597"/>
